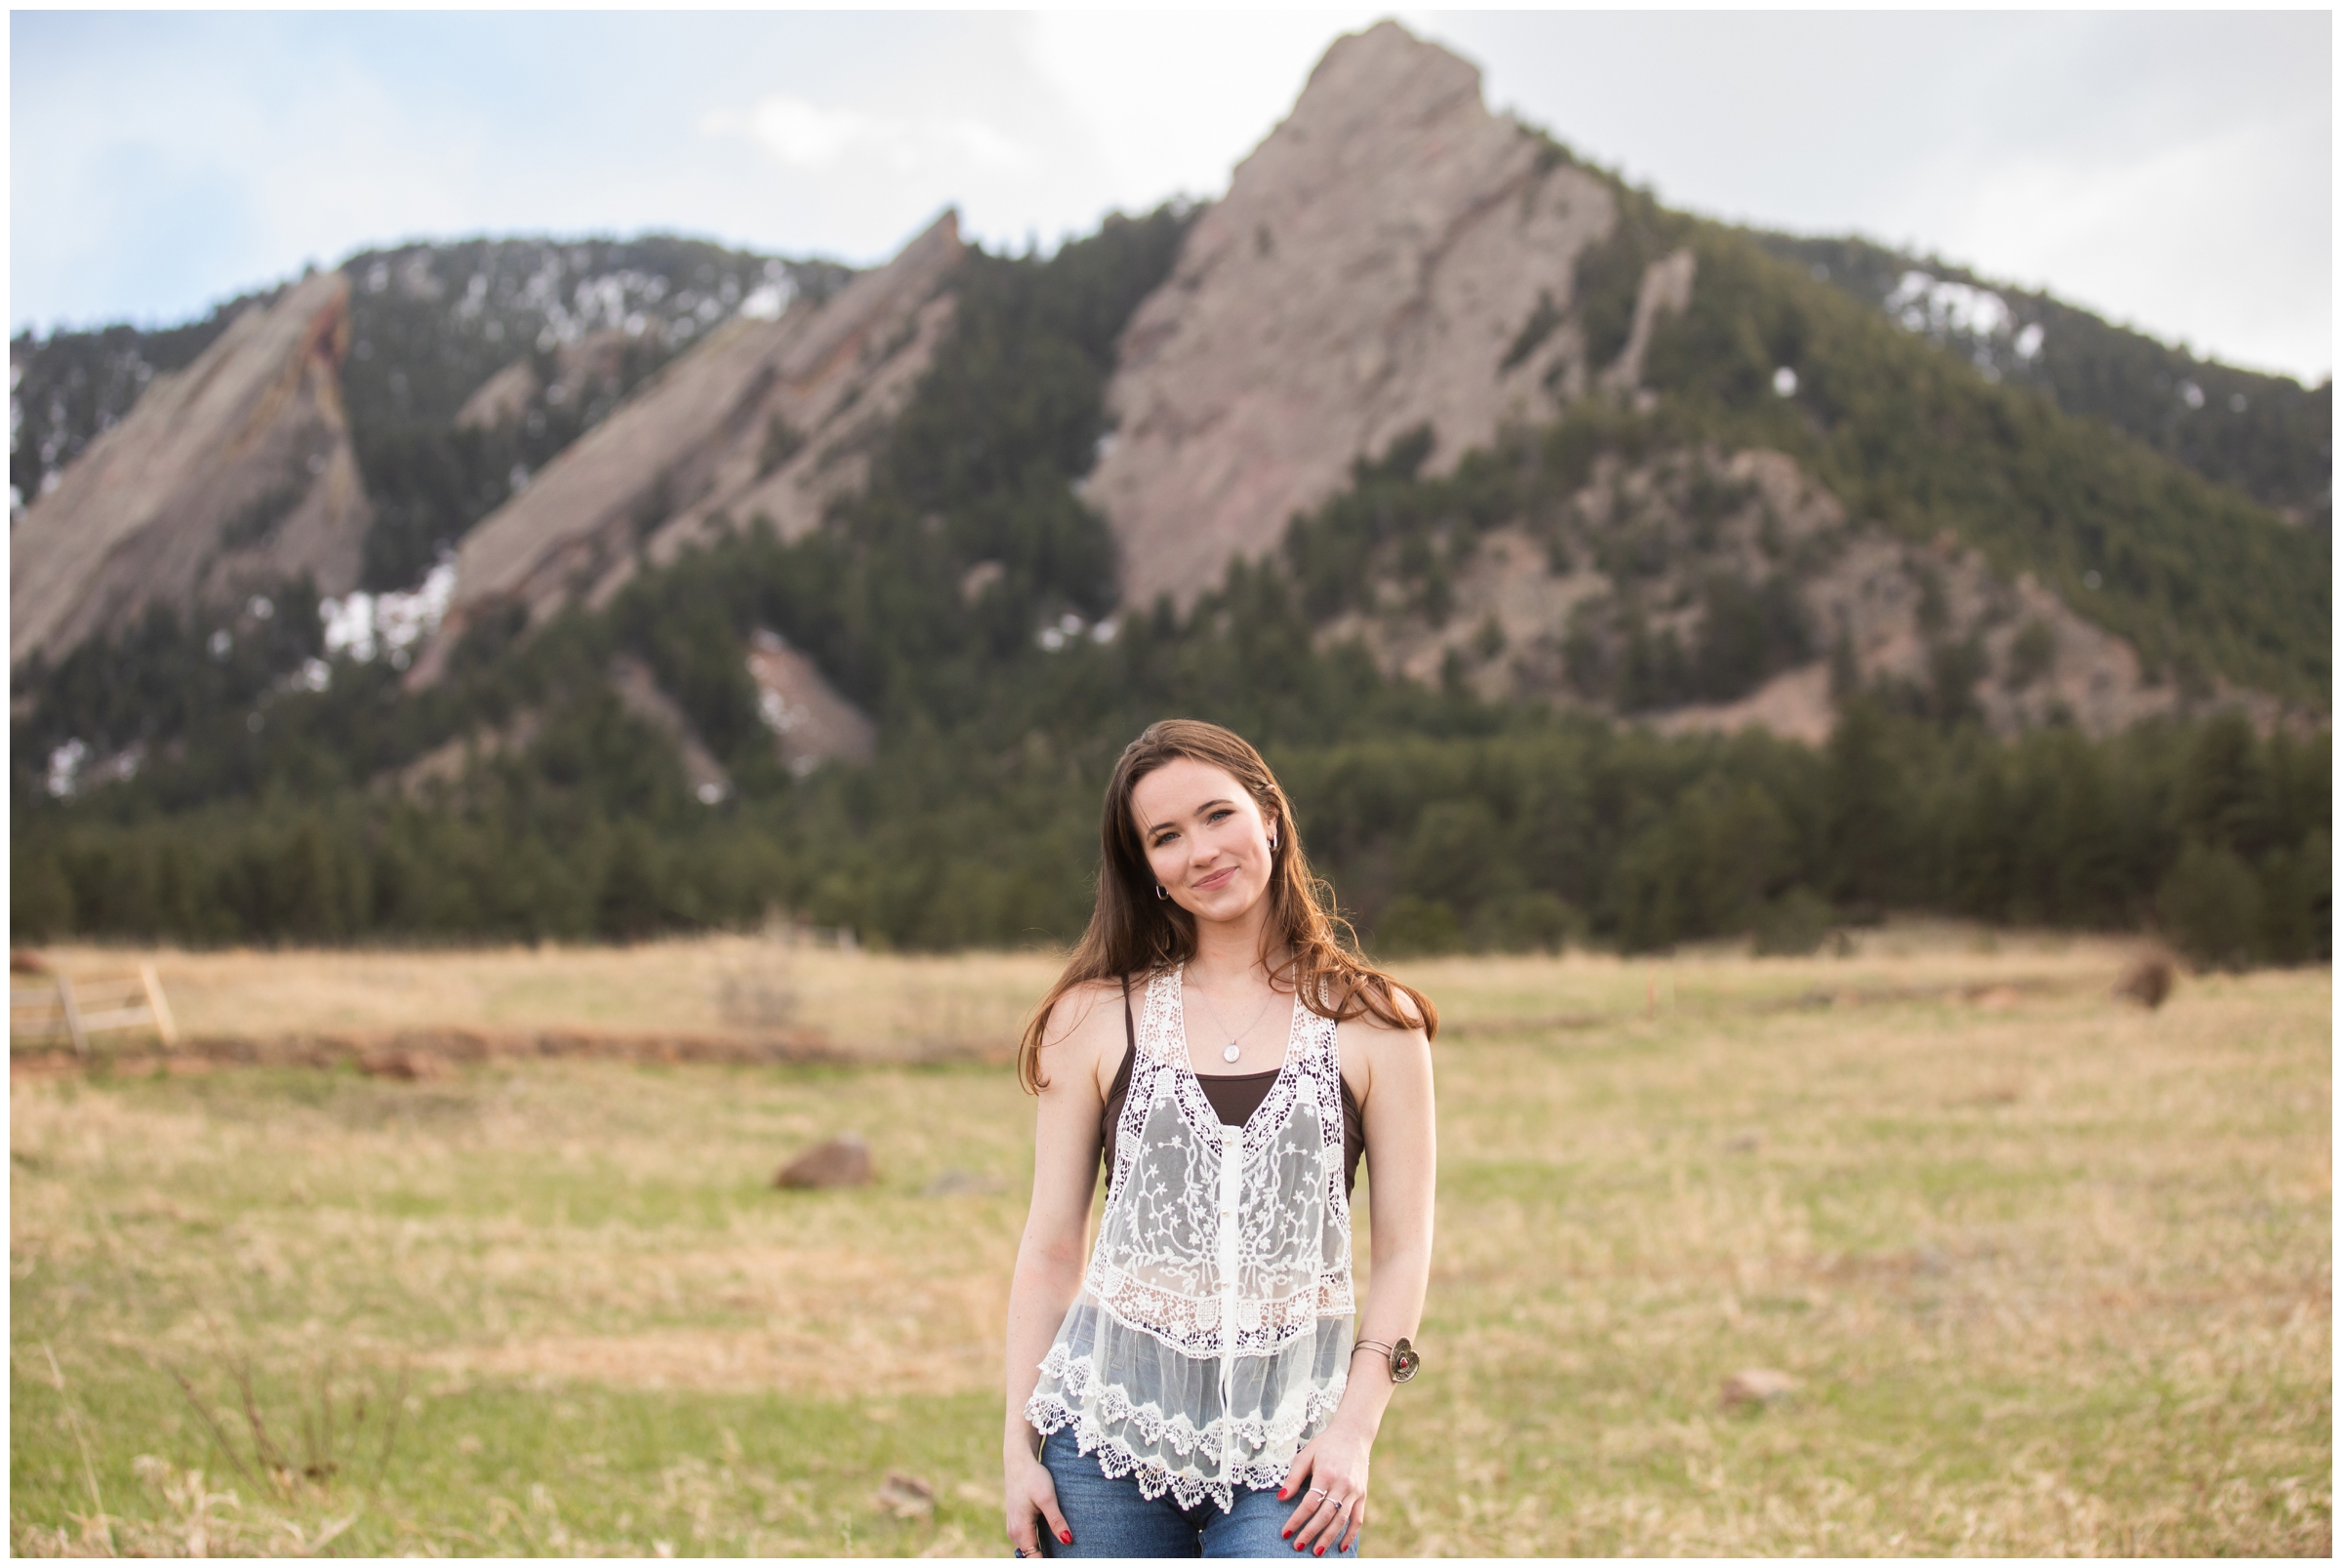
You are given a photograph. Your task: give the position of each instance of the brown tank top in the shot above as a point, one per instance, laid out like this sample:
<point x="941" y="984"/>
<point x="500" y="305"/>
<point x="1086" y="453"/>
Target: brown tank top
<point x="1234" y="1095"/>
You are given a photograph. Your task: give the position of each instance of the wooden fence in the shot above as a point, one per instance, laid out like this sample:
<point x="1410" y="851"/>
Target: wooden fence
<point x="59" y="1005"/>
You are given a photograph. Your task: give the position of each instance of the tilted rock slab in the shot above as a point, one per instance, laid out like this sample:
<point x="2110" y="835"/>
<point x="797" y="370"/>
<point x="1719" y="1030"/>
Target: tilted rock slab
<point x="232" y="474"/>
<point x="1370" y="269"/>
<point x="811" y="721"/>
<point x="762" y="418"/>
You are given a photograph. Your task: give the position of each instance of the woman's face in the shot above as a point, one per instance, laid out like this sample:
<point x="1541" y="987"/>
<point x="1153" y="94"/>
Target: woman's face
<point x="1204" y="837"/>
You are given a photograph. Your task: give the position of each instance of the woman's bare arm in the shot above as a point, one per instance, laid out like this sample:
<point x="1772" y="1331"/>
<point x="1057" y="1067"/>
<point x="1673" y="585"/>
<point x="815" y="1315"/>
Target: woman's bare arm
<point x="1079" y="1053"/>
<point x="1391" y="1072"/>
<point x="1403" y="1142"/>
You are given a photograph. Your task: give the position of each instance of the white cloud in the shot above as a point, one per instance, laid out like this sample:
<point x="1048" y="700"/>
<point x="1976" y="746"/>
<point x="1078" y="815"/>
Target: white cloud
<point x="2173" y="170"/>
<point x="2194" y="238"/>
<point x="809" y="138"/>
<point x="802" y="135"/>
<point x="986" y="146"/>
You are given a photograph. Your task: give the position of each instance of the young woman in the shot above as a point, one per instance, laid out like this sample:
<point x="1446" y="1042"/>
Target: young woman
<point x="1198" y="1390"/>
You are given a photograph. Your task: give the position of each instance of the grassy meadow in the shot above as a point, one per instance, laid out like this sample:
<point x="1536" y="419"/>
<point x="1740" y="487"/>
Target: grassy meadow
<point x="2052" y="1271"/>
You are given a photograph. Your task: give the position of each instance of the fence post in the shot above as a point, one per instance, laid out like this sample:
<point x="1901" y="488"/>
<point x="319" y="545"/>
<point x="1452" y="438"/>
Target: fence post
<point x="164" y="1025"/>
<point x="64" y="996"/>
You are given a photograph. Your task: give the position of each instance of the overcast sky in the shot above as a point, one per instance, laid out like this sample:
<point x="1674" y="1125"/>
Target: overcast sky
<point x="2171" y="170"/>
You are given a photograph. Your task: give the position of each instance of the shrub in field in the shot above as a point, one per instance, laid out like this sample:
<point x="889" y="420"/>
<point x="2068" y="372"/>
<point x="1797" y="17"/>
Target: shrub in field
<point x="1793" y="925"/>
<point x="2211" y="906"/>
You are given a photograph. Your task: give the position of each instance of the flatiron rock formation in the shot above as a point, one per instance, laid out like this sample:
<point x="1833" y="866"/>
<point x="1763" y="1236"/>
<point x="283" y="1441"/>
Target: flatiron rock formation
<point x="231" y="474"/>
<point x="769" y="419"/>
<point x="1392" y="256"/>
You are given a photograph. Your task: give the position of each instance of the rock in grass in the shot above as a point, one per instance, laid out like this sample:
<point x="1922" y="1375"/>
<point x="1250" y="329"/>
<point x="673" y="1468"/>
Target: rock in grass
<point x="2148" y="981"/>
<point x="840" y="1162"/>
<point x="1756" y="1385"/>
<point x="906" y="1497"/>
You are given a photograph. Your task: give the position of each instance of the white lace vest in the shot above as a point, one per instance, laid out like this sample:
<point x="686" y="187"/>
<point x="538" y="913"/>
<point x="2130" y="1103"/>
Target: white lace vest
<point x="1211" y="1338"/>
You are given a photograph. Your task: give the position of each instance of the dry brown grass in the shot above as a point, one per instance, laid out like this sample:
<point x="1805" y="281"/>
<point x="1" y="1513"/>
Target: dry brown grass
<point x="874" y="1003"/>
<point x="2053" y="1272"/>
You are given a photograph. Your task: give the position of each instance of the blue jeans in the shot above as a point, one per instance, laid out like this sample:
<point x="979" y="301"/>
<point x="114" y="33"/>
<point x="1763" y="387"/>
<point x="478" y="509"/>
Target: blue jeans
<point x="1110" y="1518"/>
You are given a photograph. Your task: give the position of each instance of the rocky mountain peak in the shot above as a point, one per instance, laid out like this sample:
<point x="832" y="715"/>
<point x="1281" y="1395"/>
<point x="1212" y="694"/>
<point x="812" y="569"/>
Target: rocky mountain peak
<point x="1382" y="262"/>
<point x="1381" y="83"/>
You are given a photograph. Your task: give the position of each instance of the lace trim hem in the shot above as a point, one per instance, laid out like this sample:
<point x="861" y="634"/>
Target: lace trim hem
<point x="1276" y="1442"/>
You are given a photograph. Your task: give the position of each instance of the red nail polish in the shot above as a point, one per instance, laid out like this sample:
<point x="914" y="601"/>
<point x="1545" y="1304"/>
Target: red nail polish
<point x="1065" y="1537"/>
<point x="1321" y="1551"/>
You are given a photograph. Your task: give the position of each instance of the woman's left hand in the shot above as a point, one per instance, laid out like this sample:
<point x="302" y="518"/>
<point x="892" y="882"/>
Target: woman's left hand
<point x="1329" y="1476"/>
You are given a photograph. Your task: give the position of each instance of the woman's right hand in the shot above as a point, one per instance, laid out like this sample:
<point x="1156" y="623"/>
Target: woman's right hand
<point x="1031" y="1495"/>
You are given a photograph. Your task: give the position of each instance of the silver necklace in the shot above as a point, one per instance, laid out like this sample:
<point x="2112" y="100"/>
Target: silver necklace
<point x="1234" y="1052"/>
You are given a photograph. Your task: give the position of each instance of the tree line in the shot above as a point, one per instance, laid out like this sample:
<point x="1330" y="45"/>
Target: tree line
<point x="1534" y="837"/>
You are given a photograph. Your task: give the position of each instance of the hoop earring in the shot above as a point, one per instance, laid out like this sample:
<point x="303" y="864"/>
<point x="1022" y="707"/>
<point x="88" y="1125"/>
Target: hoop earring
<point x="1161" y="892"/>
<point x="1273" y="843"/>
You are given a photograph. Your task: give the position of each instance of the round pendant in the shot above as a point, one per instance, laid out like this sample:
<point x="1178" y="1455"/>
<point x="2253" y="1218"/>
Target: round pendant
<point x="1231" y="1053"/>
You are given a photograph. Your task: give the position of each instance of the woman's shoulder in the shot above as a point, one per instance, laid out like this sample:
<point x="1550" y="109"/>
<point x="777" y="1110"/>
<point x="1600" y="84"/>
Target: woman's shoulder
<point x="1396" y="1003"/>
<point x="1083" y="1018"/>
<point x="1387" y="1042"/>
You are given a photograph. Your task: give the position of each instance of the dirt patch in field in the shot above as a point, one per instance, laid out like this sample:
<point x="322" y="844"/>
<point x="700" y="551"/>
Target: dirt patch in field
<point x="416" y="1053"/>
<point x="1991" y="995"/>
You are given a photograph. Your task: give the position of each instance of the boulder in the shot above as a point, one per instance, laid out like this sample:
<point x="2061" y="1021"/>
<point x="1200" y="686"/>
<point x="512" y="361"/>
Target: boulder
<point x="2149" y="981"/>
<point x="840" y="1162"/>
<point x="906" y="1497"/>
<point x="1756" y="1385"/>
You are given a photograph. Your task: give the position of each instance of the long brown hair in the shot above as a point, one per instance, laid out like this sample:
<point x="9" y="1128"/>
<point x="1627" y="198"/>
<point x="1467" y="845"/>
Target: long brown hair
<point x="1135" y="935"/>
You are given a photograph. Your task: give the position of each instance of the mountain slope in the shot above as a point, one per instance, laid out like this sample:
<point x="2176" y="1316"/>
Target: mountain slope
<point x="2267" y="435"/>
<point x="569" y="325"/>
<point x="1394" y="267"/>
<point x="762" y="418"/>
<point x="474" y="362"/>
